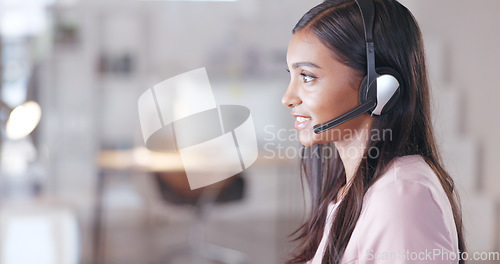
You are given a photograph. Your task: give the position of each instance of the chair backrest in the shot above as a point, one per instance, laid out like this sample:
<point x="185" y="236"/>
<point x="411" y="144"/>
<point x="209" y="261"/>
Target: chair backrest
<point x="38" y="234"/>
<point x="174" y="188"/>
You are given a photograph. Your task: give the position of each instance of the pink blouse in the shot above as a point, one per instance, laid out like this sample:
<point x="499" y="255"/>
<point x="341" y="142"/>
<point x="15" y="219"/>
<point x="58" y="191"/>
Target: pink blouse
<point x="406" y="218"/>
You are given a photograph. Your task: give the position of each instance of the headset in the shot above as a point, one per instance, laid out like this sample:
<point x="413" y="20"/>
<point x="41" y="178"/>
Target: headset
<point x="380" y="89"/>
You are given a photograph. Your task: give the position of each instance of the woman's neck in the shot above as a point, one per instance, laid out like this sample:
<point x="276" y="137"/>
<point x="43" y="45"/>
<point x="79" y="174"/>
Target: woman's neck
<point x="351" y="152"/>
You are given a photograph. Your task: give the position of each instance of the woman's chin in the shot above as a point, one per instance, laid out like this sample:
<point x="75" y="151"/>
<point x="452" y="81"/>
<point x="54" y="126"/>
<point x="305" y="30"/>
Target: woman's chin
<point x="308" y="138"/>
<point x="306" y="144"/>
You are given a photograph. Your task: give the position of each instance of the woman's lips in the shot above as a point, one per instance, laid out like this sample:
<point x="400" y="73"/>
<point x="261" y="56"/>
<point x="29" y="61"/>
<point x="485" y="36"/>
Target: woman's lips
<point x="302" y="122"/>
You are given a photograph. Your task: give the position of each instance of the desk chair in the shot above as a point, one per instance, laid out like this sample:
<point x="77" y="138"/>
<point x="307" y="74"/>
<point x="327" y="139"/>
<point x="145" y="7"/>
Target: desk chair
<point x="174" y="189"/>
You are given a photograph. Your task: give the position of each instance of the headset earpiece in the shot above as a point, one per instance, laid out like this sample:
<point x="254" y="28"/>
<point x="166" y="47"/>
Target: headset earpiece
<point x="388" y="90"/>
<point x="385" y="90"/>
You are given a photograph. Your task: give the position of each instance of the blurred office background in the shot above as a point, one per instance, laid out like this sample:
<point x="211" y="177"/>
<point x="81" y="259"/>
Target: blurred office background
<point x="81" y="187"/>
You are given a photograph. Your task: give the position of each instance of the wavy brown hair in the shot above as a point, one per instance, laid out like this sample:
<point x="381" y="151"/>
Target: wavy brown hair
<point x="399" y="45"/>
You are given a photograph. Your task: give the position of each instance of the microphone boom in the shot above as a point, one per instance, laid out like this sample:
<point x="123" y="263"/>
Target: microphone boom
<point x="363" y="108"/>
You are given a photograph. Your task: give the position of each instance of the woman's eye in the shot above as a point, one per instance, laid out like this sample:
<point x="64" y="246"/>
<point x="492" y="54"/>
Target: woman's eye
<point x="307" y="78"/>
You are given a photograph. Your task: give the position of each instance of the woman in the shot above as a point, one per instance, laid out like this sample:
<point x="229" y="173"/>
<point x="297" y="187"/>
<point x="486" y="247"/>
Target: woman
<point x="379" y="192"/>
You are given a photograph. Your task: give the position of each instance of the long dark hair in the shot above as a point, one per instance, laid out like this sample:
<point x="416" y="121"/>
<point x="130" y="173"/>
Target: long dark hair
<point x="399" y="45"/>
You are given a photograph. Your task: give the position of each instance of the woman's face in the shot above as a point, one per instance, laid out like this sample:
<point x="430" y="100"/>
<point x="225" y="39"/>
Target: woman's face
<point x="321" y="88"/>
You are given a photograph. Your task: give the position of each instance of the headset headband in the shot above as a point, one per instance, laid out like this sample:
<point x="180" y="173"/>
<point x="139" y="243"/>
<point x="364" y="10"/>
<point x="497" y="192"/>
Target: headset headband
<point x="367" y="9"/>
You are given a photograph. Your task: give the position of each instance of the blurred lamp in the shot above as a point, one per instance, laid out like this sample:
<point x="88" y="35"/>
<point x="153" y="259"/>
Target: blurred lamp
<point x="22" y="120"/>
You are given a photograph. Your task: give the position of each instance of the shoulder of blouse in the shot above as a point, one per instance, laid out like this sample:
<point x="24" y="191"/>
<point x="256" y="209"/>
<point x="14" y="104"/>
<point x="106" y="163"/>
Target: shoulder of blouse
<point x="408" y="180"/>
<point x="407" y="207"/>
<point x="406" y="170"/>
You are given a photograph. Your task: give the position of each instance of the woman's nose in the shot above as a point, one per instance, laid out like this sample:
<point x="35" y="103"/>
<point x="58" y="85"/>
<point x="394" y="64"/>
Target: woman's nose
<point x="290" y="98"/>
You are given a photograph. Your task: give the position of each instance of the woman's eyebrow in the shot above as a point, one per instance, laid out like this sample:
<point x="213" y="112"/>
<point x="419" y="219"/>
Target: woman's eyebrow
<point x="307" y="64"/>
